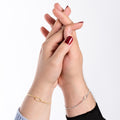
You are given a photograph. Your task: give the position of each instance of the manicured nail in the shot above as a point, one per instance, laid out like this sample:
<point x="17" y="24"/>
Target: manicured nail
<point x="69" y="40"/>
<point x="67" y="6"/>
<point x="81" y="22"/>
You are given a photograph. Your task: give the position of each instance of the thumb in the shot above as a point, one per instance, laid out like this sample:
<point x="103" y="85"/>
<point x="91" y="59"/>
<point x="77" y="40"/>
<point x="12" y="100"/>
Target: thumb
<point x="63" y="49"/>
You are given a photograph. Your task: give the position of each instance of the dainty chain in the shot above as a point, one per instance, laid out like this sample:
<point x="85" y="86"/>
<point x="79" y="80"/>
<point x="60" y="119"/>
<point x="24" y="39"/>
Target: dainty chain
<point x="38" y="99"/>
<point x="84" y="98"/>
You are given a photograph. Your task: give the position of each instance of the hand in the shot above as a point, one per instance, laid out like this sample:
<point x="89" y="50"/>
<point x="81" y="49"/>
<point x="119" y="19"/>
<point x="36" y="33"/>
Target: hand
<point x="52" y="54"/>
<point x="71" y="79"/>
<point x="72" y="65"/>
<point x="51" y="57"/>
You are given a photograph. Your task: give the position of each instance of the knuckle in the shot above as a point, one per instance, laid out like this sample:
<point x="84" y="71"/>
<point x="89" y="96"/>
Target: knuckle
<point x="67" y="28"/>
<point x="44" y="45"/>
<point x="54" y="63"/>
<point x="63" y="47"/>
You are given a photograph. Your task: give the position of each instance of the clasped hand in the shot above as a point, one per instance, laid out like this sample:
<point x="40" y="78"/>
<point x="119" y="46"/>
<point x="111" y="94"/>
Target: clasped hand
<point x="60" y="59"/>
<point x="60" y="62"/>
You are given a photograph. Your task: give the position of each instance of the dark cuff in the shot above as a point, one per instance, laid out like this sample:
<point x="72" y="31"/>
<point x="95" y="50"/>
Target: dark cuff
<point x="94" y="114"/>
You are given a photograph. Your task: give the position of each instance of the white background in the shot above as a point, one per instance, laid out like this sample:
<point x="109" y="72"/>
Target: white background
<point x="20" y="42"/>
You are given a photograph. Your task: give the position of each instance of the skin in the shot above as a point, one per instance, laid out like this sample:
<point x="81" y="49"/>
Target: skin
<point x="59" y="63"/>
<point x="51" y="57"/>
<point x="71" y="79"/>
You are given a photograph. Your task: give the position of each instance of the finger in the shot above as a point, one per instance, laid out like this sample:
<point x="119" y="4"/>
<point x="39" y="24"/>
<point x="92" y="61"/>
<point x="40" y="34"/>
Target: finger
<point x="77" y="26"/>
<point x="44" y="31"/>
<point x="58" y="24"/>
<point x="67" y="10"/>
<point x="72" y="27"/>
<point x="57" y="6"/>
<point x="57" y="37"/>
<point x="49" y="19"/>
<point x="62" y="50"/>
<point x="55" y="40"/>
<point x="65" y="20"/>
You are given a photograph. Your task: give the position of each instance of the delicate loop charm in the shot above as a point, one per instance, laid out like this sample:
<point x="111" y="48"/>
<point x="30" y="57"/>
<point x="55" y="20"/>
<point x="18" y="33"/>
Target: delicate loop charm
<point x="37" y="99"/>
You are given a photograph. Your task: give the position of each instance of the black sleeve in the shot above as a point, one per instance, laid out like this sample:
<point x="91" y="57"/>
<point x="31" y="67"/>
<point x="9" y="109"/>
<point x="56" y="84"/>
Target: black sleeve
<point x="94" y="114"/>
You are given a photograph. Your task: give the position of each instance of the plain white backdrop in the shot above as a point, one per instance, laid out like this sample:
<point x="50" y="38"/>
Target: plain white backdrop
<point x="20" y="43"/>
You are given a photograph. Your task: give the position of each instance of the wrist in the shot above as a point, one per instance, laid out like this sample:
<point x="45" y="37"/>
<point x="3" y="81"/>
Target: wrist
<point x="74" y="92"/>
<point x="37" y="101"/>
<point x="42" y="89"/>
<point x="72" y="83"/>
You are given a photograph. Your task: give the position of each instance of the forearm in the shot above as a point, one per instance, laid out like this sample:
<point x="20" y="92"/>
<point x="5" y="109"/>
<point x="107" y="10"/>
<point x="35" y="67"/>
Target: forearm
<point x="34" y="110"/>
<point x="73" y="93"/>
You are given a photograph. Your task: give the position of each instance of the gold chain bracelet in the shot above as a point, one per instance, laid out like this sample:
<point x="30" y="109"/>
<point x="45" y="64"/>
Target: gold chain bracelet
<point x="38" y="99"/>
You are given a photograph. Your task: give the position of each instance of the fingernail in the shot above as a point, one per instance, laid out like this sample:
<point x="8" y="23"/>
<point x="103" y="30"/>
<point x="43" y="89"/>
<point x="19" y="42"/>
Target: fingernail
<point x="81" y="22"/>
<point x="69" y="40"/>
<point x="67" y="6"/>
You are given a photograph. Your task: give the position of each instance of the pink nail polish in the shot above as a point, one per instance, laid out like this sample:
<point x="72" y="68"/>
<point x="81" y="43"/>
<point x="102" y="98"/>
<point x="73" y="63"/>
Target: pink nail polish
<point x="69" y="40"/>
